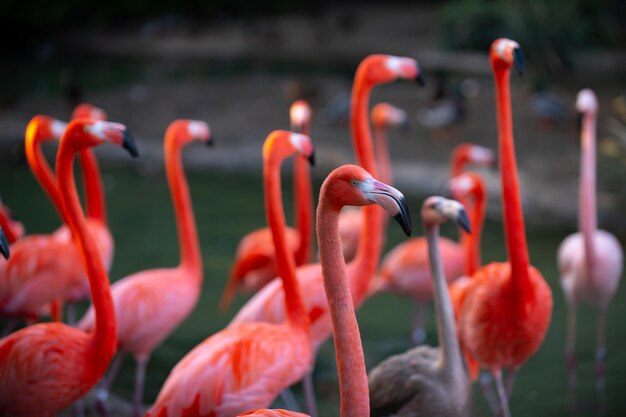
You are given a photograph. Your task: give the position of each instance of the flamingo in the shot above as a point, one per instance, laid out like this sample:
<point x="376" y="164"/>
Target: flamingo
<point x="45" y="367"/>
<point x="13" y="229"/>
<point x="405" y="269"/>
<point x="246" y="366"/>
<point x="383" y="116"/>
<point x="506" y="308"/>
<point x="268" y="304"/>
<point x="255" y="263"/>
<point x="346" y="185"/>
<point x="427" y="381"/>
<point x="591" y="260"/>
<point x="150" y="304"/>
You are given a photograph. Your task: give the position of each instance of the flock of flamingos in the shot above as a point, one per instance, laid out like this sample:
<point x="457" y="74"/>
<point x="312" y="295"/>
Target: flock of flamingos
<point x="490" y="318"/>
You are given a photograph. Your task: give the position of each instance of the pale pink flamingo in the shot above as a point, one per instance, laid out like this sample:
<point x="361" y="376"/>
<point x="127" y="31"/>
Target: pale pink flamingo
<point x="591" y="260"/>
<point x="507" y="306"/>
<point x="268" y="304"/>
<point x="246" y="366"/>
<point x="346" y="185"/>
<point x="405" y="270"/>
<point x="255" y="263"/>
<point x="144" y="302"/>
<point x="46" y="367"/>
<point x="428" y="381"/>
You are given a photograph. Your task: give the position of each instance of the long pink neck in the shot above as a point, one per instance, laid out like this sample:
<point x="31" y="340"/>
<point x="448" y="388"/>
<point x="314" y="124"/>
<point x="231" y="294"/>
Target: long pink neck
<point x="459" y="159"/>
<point x="353" y="384"/>
<point x="303" y="205"/>
<point x="450" y="353"/>
<point x="382" y="155"/>
<point x="514" y="229"/>
<point x="104" y="340"/>
<point x="96" y="206"/>
<point x="470" y="242"/>
<point x="587" y="217"/>
<point x="285" y="264"/>
<point x="190" y="257"/>
<point x="371" y="241"/>
<point x="41" y="169"/>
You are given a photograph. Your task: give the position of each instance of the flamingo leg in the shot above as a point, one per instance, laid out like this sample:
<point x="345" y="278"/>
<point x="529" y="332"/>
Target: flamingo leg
<point x="600" y="362"/>
<point x="504" y="402"/>
<point x="102" y="395"/>
<point x="140" y="377"/>
<point x="289" y="400"/>
<point x="570" y="353"/>
<point x="484" y="380"/>
<point x="510" y="379"/>
<point x="420" y="316"/>
<point x="71" y="314"/>
<point x="309" y="394"/>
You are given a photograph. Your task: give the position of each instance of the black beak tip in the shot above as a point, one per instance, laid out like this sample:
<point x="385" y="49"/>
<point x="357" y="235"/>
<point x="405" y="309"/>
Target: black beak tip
<point x="128" y="143"/>
<point x="404" y="223"/>
<point x="312" y="159"/>
<point x="420" y="80"/>
<point x="518" y="59"/>
<point x="210" y="142"/>
<point x="463" y="221"/>
<point x="4" y="245"/>
<point x="579" y="120"/>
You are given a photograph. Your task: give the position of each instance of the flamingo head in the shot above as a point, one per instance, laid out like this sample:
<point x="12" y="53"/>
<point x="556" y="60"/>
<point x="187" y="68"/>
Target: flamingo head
<point x="13" y="228"/>
<point x="44" y="128"/>
<point x="586" y="101"/>
<point x="351" y="185"/>
<point x="479" y="155"/>
<point x="4" y="245"/>
<point x="507" y="52"/>
<point x="438" y="210"/>
<point x="385" y="115"/>
<point x="84" y="132"/>
<point x="380" y="69"/>
<point x="300" y="116"/>
<point x="281" y="144"/>
<point x="184" y="131"/>
<point x="89" y="110"/>
<point x="466" y="184"/>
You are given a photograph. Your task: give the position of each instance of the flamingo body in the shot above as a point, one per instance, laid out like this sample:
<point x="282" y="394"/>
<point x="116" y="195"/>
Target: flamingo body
<point x="265" y="412"/>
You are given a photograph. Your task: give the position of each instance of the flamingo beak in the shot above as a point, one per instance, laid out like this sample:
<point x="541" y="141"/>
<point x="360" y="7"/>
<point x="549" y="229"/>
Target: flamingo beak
<point x="463" y="221"/>
<point x="210" y="139"/>
<point x="518" y="60"/>
<point x="394" y="202"/>
<point x="4" y="245"/>
<point x="311" y="159"/>
<point x="128" y="143"/>
<point x="420" y="80"/>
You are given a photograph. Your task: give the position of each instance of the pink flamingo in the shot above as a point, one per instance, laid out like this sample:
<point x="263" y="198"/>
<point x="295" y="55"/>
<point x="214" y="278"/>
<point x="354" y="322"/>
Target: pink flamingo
<point x="591" y="260"/>
<point x="145" y="314"/>
<point x="346" y="185"/>
<point x="255" y="263"/>
<point x="506" y="307"/>
<point x="46" y="367"/>
<point x="405" y="270"/>
<point x="268" y="304"/>
<point x="383" y="116"/>
<point x="246" y="366"/>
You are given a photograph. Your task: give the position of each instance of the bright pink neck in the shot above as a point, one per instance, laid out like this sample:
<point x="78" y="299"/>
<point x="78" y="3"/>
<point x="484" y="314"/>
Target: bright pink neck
<point x="285" y="263"/>
<point x="104" y="333"/>
<point x="190" y="256"/>
<point x="470" y="242"/>
<point x="514" y="228"/>
<point x="353" y="384"/>
<point x="382" y="155"/>
<point x="303" y="205"/>
<point x="96" y="206"/>
<point x="587" y="216"/>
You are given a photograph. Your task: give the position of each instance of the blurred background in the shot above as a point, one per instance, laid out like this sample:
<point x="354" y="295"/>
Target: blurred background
<point x="238" y="65"/>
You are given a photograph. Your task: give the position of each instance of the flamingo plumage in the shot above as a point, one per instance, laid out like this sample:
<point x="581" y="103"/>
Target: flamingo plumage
<point x="150" y="304"/>
<point x="346" y="185"/>
<point x="246" y="366"/>
<point x="255" y="263"/>
<point x="591" y="260"/>
<point x="507" y="306"/>
<point x="46" y="367"/>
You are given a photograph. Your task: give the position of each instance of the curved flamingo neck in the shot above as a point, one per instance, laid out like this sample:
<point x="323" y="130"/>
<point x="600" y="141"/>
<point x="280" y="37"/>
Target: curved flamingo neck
<point x="190" y="257"/>
<point x="303" y="206"/>
<point x="459" y="160"/>
<point x="587" y="216"/>
<point x="353" y="384"/>
<point x="451" y="363"/>
<point x="382" y="155"/>
<point x="94" y="191"/>
<point x="370" y="243"/>
<point x="103" y="336"/>
<point x="514" y="229"/>
<point x="285" y="264"/>
<point x="41" y="169"/>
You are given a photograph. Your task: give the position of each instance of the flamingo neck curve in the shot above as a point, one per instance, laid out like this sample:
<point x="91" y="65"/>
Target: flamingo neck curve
<point x="94" y="191"/>
<point x="587" y="216"/>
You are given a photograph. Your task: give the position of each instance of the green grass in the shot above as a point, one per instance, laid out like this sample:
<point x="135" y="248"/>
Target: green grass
<point x="227" y="205"/>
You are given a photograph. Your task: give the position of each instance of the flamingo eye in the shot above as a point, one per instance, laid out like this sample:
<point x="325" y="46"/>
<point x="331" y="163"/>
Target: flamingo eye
<point x="355" y="183"/>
